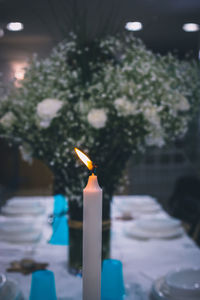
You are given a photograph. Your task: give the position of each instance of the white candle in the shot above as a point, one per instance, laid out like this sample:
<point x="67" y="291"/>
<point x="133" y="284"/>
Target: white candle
<point x="92" y="235"/>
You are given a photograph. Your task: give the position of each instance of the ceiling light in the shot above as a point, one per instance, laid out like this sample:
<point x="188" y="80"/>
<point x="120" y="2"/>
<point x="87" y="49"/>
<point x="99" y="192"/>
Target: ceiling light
<point x="1" y="33"/>
<point x="15" y="26"/>
<point x="133" y="26"/>
<point x="191" y="27"/>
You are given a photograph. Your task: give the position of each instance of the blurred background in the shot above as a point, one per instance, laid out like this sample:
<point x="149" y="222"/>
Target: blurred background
<point x="28" y="27"/>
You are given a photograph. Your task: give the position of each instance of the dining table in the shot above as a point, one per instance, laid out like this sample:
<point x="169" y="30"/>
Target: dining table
<point x="143" y="260"/>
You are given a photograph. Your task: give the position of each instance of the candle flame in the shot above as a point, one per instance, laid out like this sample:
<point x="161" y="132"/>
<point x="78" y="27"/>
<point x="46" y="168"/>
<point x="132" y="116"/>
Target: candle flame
<point x="84" y="158"/>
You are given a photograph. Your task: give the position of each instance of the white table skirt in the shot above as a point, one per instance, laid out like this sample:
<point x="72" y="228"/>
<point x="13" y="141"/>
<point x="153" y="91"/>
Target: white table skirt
<point x="143" y="261"/>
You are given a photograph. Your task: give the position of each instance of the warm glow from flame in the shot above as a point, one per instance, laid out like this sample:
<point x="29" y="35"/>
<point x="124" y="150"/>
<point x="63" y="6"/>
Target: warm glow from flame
<point x="84" y="158"/>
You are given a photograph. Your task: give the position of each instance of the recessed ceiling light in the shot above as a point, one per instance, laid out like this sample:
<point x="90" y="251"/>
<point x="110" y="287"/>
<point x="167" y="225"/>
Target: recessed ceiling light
<point x="1" y="33"/>
<point x="15" y="26"/>
<point x="133" y="26"/>
<point x="191" y="27"/>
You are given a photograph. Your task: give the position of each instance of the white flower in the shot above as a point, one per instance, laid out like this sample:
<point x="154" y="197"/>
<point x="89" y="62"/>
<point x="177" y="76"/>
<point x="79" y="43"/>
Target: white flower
<point x="8" y="119"/>
<point x="125" y="107"/>
<point x="151" y="114"/>
<point x="26" y="153"/>
<point x="97" y="117"/>
<point x="182" y="104"/>
<point x="155" y="138"/>
<point x="47" y="110"/>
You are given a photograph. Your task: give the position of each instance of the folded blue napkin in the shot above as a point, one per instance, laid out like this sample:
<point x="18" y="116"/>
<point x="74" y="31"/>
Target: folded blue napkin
<point x="60" y="205"/>
<point x="60" y="234"/>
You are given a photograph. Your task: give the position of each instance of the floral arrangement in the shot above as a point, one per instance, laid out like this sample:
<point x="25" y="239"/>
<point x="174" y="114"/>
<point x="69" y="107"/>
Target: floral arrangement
<point x="111" y="98"/>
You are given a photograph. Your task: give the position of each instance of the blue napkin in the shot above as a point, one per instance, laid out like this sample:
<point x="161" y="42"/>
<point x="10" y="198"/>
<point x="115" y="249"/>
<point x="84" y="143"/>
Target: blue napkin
<point x="60" y="205"/>
<point x="60" y="234"/>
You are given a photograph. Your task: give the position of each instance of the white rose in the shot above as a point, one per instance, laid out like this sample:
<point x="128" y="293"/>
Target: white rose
<point x="125" y="107"/>
<point x="151" y="114"/>
<point x="97" y="118"/>
<point x="8" y="119"/>
<point x="182" y="104"/>
<point x="155" y="138"/>
<point x="47" y="110"/>
<point x="26" y="153"/>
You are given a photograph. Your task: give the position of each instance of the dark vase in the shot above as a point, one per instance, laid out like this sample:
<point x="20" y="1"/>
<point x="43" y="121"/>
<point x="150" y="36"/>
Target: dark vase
<point x="75" y="246"/>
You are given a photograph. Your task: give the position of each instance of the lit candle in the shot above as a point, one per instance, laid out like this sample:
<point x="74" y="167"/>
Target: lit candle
<point x="92" y="234"/>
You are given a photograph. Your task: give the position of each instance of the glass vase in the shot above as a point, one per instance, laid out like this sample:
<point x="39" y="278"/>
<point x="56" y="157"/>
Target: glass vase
<point x="75" y="245"/>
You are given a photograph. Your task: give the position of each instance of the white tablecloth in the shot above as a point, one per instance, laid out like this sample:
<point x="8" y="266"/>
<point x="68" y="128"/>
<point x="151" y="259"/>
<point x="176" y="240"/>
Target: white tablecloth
<point x="143" y="261"/>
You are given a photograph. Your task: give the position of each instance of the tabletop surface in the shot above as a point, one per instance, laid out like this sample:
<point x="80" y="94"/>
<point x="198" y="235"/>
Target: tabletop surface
<point x="143" y="260"/>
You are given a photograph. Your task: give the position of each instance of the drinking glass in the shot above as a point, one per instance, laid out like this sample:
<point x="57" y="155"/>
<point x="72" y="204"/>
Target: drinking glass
<point x="112" y="283"/>
<point x="43" y="286"/>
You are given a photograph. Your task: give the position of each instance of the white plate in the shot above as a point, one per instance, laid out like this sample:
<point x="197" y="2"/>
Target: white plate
<point x="134" y="200"/>
<point x="9" y="227"/>
<point x="30" y="210"/>
<point x="184" y="282"/>
<point x="161" y="225"/>
<point x="15" y="228"/>
<point x="151" y="209"/>
<point x="136" y="206"/>
<point x="9" y="222"/>
<point x="22" y="201"/>
<point x="135" y="231"/>
<point x="30" y="237"/>
<point x="160" y="291"/>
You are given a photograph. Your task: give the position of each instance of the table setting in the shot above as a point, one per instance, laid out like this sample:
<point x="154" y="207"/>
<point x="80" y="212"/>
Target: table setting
<point x="21" y="221"/>
<point x="152" y="264"/>
<point x="134" y="207"/>
<point x="160" y="228"/>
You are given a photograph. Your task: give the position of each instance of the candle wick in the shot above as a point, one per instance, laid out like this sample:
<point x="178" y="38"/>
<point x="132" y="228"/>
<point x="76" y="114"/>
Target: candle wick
<point x="94" y="169"/>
